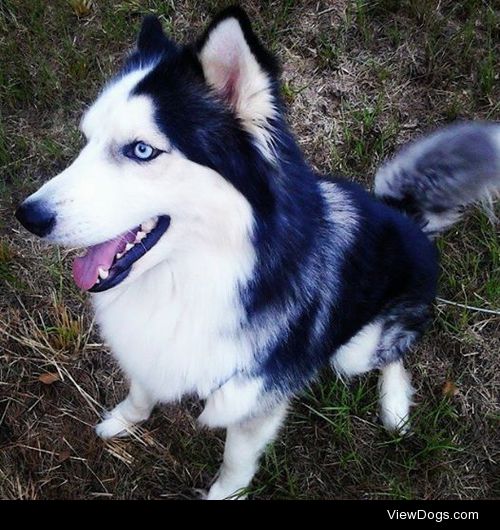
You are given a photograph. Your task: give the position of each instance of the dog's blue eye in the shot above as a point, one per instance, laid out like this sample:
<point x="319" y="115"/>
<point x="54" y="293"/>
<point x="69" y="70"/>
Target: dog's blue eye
<point x="141" y="151"/>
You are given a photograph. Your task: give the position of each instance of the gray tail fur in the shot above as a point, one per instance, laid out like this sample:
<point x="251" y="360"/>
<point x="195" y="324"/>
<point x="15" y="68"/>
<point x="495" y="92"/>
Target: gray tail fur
<point x="436" y="177"/>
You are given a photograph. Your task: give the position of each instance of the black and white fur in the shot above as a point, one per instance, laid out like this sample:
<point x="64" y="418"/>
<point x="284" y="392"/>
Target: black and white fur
<point x="263" y="272"/>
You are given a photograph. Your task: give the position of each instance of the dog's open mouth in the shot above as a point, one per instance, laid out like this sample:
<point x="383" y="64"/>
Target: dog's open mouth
<point x="105" y="265"/>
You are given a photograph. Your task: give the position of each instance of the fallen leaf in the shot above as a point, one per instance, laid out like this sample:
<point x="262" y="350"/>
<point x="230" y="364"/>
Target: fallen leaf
<point x="449" y="389"/>
<point x="49" y="378"/>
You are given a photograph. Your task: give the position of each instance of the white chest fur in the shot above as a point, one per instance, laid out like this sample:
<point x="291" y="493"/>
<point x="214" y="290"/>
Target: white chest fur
<point x="176" y="330"/>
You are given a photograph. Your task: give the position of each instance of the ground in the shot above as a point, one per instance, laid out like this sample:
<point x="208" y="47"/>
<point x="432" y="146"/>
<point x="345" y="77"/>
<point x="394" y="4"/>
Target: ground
<point x="360" y="78"/>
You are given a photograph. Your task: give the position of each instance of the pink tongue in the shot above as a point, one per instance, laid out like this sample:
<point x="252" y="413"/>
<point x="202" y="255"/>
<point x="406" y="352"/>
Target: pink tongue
<point x="86" y="268"/>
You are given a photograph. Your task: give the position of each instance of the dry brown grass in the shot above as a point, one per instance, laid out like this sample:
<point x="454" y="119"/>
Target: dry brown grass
<point x="360" y="78"/>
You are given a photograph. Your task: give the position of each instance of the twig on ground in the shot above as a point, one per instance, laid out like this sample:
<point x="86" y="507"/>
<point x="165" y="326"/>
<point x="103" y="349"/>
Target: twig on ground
<point x="470" y="307"/>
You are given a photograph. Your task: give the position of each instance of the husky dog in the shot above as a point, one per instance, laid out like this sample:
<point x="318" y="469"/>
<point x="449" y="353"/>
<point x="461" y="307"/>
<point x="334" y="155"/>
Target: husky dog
<point x="221" y="266"/>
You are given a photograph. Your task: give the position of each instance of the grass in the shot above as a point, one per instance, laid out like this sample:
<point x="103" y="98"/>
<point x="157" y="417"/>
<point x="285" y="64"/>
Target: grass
<point x="360" y="78"/>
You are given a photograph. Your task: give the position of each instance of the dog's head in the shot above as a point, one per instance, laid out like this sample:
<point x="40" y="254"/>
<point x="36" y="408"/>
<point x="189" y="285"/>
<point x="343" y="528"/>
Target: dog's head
<point x="178" y="149"/>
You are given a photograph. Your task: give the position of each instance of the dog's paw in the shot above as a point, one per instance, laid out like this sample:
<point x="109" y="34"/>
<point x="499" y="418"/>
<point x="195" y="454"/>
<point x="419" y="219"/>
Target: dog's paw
<point x="395" y="414"/>
<point x="221" y="492"/>
<point x="397" y="423"/>
<point x="113" y="427"/>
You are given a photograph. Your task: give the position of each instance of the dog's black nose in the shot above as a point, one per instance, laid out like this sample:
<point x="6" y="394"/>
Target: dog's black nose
<point x="36" y="217"/>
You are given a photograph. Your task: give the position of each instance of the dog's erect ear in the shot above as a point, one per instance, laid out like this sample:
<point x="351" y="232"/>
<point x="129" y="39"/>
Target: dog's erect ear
<point x="151" y="39"/>
<point x="238" y="67"/>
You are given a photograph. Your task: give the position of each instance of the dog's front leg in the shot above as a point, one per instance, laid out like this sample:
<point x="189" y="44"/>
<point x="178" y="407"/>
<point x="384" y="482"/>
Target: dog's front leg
<point x="245" y="442"/>
<point x="136" y="407"/>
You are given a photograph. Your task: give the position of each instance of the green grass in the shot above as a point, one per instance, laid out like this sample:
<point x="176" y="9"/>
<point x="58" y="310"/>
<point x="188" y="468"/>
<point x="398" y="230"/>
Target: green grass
<point x="339" y="416"/>
<point x="470" y="277"/>
<point x="368" y="136"/>
<point x="338" y="404"/>
<point x="276" y="19"/>
<point x="329" y="50"/>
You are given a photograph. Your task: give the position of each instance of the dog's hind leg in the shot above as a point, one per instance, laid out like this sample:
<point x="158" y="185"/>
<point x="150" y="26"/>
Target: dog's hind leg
<point x="404" y="323"/>
<point x="245" y="442"/>
<point x="136" y="407"/>
<point x="382" y="345"/>
<point x="396" y="393"/>
<point x="357" y="356"/>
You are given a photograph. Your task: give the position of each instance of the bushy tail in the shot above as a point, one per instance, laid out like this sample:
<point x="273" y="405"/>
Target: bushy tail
<point x="435" y="178"/>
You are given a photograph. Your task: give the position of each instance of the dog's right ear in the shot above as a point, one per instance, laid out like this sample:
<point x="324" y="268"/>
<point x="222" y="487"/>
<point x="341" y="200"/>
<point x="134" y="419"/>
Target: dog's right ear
<point x="152" y="40"/>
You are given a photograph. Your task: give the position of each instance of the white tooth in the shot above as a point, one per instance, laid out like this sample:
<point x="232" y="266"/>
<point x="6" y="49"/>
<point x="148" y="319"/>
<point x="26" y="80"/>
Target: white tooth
<point x="139" y="237"/>
<point x="98" y="281"/>
<point x="149" y="225"/>
<point x="128" y="246"/>
<point x="103" y="273"/>
<point x="119" y="255"/>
